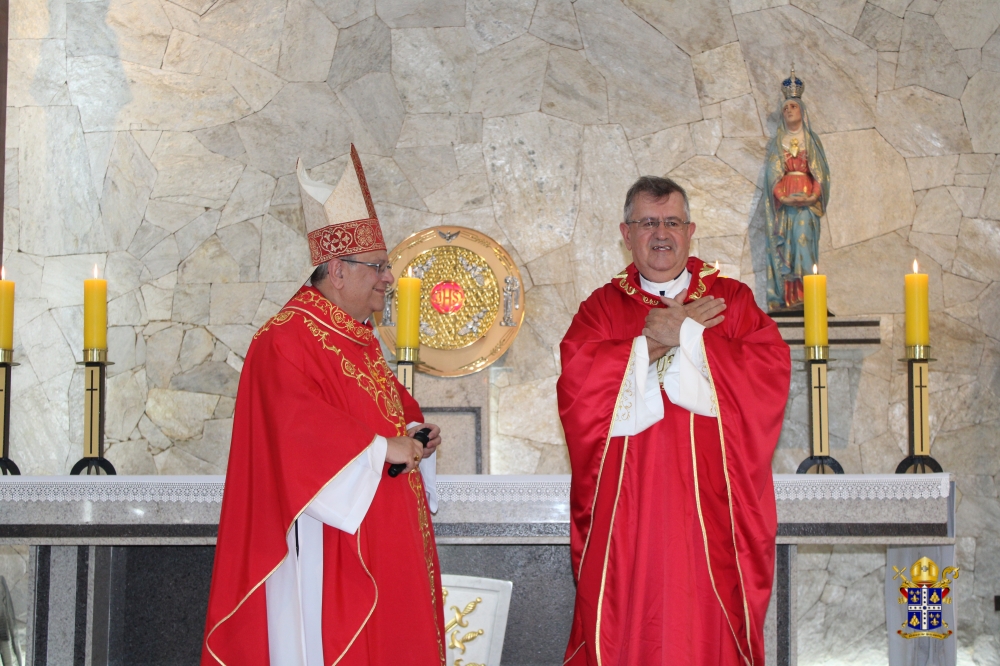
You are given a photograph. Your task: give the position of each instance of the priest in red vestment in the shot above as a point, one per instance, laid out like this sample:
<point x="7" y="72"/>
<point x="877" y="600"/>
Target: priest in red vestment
<point x="672" y="394"/>
<point x="322" y="558"/>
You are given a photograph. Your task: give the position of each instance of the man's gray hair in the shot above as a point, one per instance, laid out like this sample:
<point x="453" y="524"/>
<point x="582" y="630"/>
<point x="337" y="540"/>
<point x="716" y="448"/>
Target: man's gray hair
<point x="319" y="273"/>
<point x="656" y="187"/>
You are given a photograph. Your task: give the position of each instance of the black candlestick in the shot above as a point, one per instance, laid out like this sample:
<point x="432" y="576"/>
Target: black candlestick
<point x="7" y="466"/>
<point x="422" y="437"/>
<point x="95" y="362"/>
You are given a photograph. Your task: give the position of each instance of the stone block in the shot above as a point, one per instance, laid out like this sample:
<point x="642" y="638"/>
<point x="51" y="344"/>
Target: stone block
<point x="131" y="457"/>
<point x="706" y="136"/>
<point x="308" y="40"/>
<point x="927" y="58"/>
<point x="543" y="152"/>
<point x="251" y="29"/>
<point x="209" y="263"/>
<point x="190" y="174"/>
<point x="428" y="168"/>
<point x="141" y="30"/>
<point x="60" y="278"/>
<point x="529" y="411"/>
<point x="197" y="348"/>
<point x="843" y="14"/>
<point x="721" y="199"/>
<point x="428" y="129"/>
<point x="978" y="181"/>
<point x="151" y="99"/>
<point x="887" y="71"/>
<point x="126" y="403"/>
<point x="256" y="85"/>
<point x="720" y="74"/>
<point x="46" y="348"/>
<point x="990" y="207"/>
<point x="881" y="200"/>
<point x="250" y="198"/>
<point x="555" y="22"/>
<point x="509" y="78"/>
<point x="284" y="254"/>
<point x="36" y="71"/>
<point x="56" y="184"/>
<point x="658" y="154"/>
<point x="746" y="155"/>
<point x="928" y="172"/>
<point x="363" y="48"/>
<point x="196" y="232"/>
<point x="467" y="192"/>
<point x="189" y="54"/>
<point x="838" y="70"/>
<point x="879" y="29"/>
<point x="421" y="13"/>
<point x="921" y="123"/>
<point x="433" y="69"/>
<point x="33" y="20"/>
<point x="939" y="248"/>
<point x="213" y="378"/>
<point x="692" y="25"/>
<point x="346" y="13"/>
<point x="494" y="22"/>
<point x="978" y="255"/>
<point x="968" y="199"/>
<point x="376" y="110"/>
<point x="744" y="6"/>
<point x="739" y="117"/>
<point x="968" y="23"/>
<point x="990" y="54"/>
<point x="242" y="241"/>
<point x="574" y="89"/>
<point x="170" y="216"/>
<point x="162" y="259"/>
<point x="39" y="434"/>
<point x="191" y="304"/>
<point x="620" y="45"/>
<point x="235" y="303"/>
<point x="235" y="336"/>
<point x="126" y="191"/>
<point x="180" y="414"/>
<point x="123" y="272"/>
<point x="982" y="112"/>
<point x="938" y="213"/>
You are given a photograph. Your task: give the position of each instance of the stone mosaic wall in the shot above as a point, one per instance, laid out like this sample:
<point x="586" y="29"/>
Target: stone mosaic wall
<point x="157" y="139"/>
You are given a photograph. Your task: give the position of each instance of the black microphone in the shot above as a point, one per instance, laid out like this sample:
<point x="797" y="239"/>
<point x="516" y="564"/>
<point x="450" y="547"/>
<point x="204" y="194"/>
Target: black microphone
<point x="421" y="436"/>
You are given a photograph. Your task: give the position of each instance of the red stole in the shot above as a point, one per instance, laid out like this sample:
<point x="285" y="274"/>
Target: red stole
<point x="672" y="530"/>
<point x="314" y="392"/>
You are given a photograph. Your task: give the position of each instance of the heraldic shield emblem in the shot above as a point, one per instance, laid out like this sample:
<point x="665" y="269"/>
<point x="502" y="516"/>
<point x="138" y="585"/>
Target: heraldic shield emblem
<point x="925" y="596"/>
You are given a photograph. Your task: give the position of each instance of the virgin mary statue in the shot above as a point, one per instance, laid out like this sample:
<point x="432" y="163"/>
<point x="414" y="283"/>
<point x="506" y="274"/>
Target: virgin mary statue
<point x="797" y="187"/>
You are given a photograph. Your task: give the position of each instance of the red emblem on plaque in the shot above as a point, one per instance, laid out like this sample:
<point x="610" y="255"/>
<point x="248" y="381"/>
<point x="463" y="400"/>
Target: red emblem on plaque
<point x="447" y="297"/>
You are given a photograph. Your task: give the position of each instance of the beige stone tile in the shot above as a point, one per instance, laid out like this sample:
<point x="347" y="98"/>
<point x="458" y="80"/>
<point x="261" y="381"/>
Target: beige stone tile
<point x="659" y="153"/>
<point x="706" y="136"/>
<point x="968" y="199"/>
<point x="746" y="155"/>
<point x="308" y="39"/>
<point x="428" y="129"/>
<point x="529" y="411"/>
<point x="494" y="22"/>
<point x="512" y="455"/>
<point x="235" y="303"/>
<point x="376" y="110"/>
<point x="720" y="74"/>
<point x="843" y="14"/>
<point x="928" y="172"/>
<point x="213" y="378"/>
<point x="428" y="168"/>
<point x="251" y="29"/>
<point x="346" y="13"/>
<point x="979" y="181"/>
<point x="879" y="28"/>
<point x="720" y="198"/>
<point x="927" y="58"/>
<point x="34" y="20"/>
<point x="188" y="173"/>
<point x="879" y="174"/>
<point x="619" y="44"/>
<point x="362" y="48"/>
<point x="509" y="78"/>
<point x="433" y="69"/>
<point x="982" y="113"/>
<point x="886" y="73"/>
<point x="189" y="54"/>
<point x="37" y="73"/>
<point x="209" y="263"/>
<point x="574" y="89"/>
<point x="250" y="198"/>
<point x="555" y="22"/>
<point x="968" y="23"/>
<point x="421" y="13"/>
<point x="941" y="124"/>
<point x="284" y="254"/>
<point x="744" y="6"/>
<point x="544" y="152"/>
<point x="692" y="25"/>
<point x="739" y="117"/>
<point x="959" y="290"/>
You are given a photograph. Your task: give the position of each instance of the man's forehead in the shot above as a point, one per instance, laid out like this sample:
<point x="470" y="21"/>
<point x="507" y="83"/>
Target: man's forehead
<point x="672" y="204"/>
<point x="375" y="256"/>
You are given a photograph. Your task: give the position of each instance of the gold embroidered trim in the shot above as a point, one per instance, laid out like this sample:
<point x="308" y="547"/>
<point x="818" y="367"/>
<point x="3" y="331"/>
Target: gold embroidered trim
<point x="374" y="604"/>
<point x="574" y="653"/>
<point x="704" y="538"/>
<point x="340" y="319"/>
<point x="607" y="554"/>
<point x="417" y="486"/>
<point x="604" y="452"/>
<point x="729" y="494"/>
<point x="253" y="589"/>
<point x="277" y="320"/>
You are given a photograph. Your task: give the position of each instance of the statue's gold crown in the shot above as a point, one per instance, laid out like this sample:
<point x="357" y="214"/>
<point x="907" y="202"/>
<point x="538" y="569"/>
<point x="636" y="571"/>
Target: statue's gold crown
<point x="792" y="87"/>
<point x="924" y="571"/>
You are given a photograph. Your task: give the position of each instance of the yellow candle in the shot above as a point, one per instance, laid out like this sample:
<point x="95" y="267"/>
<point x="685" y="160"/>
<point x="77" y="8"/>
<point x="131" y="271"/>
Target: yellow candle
<point x="918" y="330"/>
<point x="6" y="311"/>
<point x="95" y="313"/>
<point x="408" y="313"/>
<point x="814" y="287"/>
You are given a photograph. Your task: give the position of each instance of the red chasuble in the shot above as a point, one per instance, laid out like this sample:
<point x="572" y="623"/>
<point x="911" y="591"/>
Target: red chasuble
<point x="672" y="529"/>
<point x="314" y="392"/>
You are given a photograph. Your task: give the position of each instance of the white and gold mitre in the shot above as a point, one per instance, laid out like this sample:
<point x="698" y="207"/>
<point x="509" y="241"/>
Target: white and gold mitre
<point x="339" y="221"/>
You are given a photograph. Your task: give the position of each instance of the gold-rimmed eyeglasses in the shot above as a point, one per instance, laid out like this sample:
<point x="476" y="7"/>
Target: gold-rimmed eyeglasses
<point x="380" y="267"/>
<point x="650" y="223"/>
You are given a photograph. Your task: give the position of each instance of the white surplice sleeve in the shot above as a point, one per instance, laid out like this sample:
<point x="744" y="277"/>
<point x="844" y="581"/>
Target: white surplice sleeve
<point x="640" y="404"/>
<point x="686" y="378"/>
<point x="345" y="500"/>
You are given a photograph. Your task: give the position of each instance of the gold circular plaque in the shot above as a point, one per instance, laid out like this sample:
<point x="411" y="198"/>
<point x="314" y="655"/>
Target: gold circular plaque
<point x="471" y="299"/>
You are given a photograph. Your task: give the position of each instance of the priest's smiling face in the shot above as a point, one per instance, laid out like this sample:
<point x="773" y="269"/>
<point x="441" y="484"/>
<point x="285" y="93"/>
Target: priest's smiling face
<point x="356" y="284"/>
<point x="660" y="253"/>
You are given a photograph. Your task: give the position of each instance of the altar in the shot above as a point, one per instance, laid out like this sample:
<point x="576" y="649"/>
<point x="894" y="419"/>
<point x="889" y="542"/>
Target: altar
<point x="120" y="566"/>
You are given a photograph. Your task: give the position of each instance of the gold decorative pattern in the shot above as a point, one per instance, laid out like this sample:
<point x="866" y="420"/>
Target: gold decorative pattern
<point x="417" y="486"/>
<point x="344" y="323"/>
<point x="476" y="334"/>
<point x="449" y="263"/>
<point x="277" y="320"/>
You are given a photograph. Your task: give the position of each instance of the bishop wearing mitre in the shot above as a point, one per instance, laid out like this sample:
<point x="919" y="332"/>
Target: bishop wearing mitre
<point x="322" y="558"/>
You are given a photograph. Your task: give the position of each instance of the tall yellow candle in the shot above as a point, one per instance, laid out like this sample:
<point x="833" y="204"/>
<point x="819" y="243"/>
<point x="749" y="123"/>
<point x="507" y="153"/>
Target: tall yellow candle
<point x="814" y="287"/>
<point x="6" y="311"/>
<point x="918" y="331"/>
<point x="408" y="313"/>
<point x="95" y="313"/>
